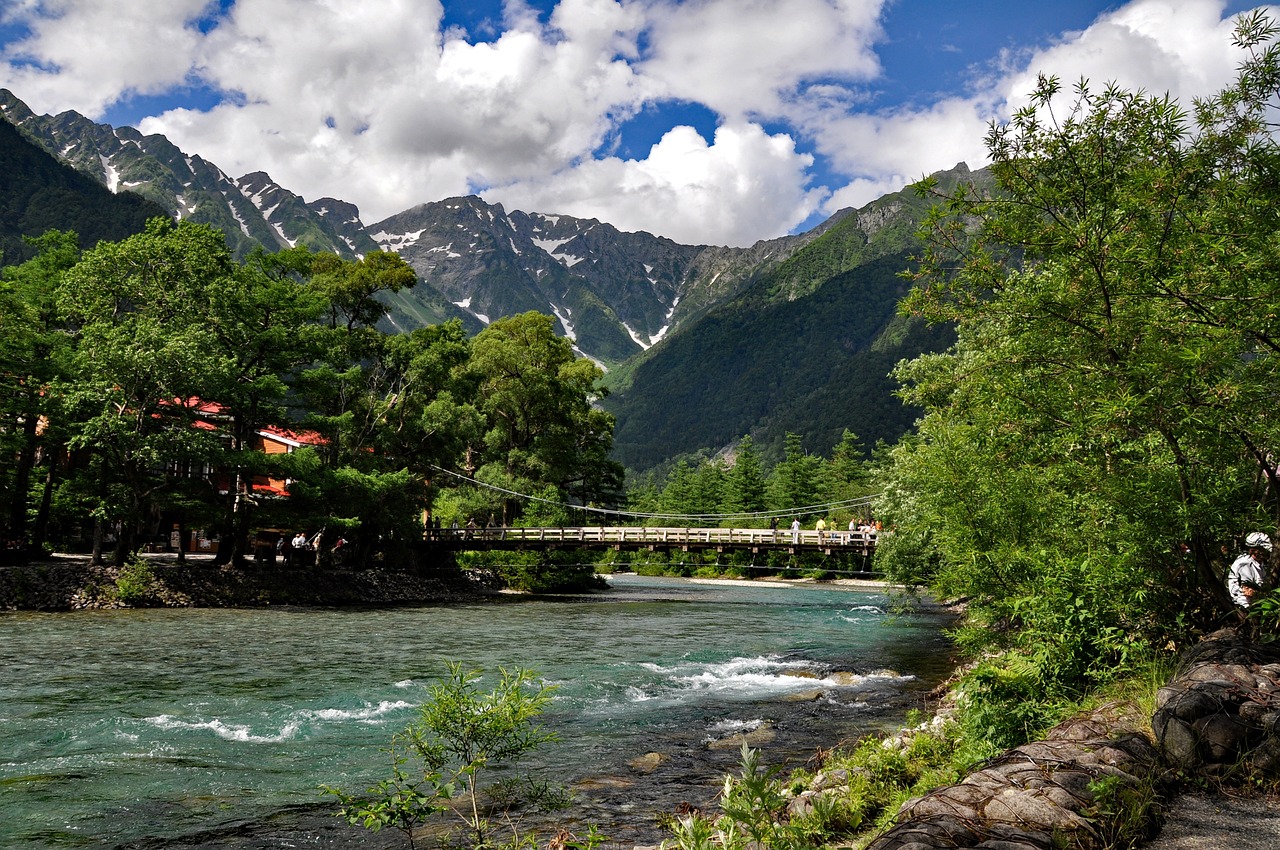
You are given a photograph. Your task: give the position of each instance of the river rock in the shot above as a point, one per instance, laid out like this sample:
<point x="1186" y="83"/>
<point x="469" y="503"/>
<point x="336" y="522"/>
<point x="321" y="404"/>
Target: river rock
<point x="1039" y="796"/>
<point x="805" y="696"/>
<point x="648" y="763"/>
<point x="1219" y="714"/>
<point x="762" y="734"/>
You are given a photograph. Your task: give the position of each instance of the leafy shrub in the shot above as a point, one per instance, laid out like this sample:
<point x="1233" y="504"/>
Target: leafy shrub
<point x="135" y="583"/>
<point x="461" y="733"/>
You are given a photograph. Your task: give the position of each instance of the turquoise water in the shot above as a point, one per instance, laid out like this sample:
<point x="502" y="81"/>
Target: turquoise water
<point x="125" y="726"/>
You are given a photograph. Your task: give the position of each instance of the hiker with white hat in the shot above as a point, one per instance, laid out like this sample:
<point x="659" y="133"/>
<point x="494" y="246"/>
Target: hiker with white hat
<point x="1245" y="575"/>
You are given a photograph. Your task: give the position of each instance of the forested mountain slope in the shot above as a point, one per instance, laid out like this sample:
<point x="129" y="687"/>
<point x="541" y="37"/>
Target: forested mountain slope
<point x="39" y="193"/>
<point x="806" y="349"/>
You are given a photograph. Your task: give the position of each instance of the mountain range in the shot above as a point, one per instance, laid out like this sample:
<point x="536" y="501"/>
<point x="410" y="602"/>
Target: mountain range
<point x="703" y="344"/>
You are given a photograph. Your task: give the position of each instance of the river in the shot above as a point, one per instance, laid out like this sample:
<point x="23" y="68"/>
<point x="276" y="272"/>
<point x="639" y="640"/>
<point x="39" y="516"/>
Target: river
<point x="214" y="728"/>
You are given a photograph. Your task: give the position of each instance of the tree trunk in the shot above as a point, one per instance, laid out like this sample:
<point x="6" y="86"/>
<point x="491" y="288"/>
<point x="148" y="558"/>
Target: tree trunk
<point x="40" y="529"/>
<point x="22" y="476"/>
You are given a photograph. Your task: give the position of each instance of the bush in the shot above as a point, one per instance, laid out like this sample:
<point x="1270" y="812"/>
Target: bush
<point x="135" y="584"/>
<point x="460" y="733"/>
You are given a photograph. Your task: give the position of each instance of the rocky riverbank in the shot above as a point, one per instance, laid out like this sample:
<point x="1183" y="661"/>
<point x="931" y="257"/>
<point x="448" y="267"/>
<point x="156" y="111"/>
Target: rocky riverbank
<point x="68" y="583"/>
<point x="1103" y="781"/>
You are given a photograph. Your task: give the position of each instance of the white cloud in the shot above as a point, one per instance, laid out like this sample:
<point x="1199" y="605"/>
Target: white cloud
<point x="416" y="114"/>
<point x="376" y="104"/>
<point x="747" y="57"/>
<point x="745" y="186"/>
<point x="885" y="152"/>
<point x="86" y="54"/>
<point x="1179" y="47"/>
<point x="1182" y="47"/>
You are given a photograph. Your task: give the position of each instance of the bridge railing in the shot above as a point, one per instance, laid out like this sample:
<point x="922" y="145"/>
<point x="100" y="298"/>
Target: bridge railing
<point x="640" y="535"/>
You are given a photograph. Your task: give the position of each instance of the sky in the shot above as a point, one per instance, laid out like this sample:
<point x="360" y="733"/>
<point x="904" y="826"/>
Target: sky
<point x="718" y="122"/>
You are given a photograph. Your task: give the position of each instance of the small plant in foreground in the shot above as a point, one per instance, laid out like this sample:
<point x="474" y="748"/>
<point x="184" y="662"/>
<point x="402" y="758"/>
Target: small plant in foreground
<point x="461" y="733"/>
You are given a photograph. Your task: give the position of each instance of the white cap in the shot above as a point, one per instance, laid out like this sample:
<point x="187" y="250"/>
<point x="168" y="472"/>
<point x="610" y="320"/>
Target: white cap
<point x="1258" y="540"/>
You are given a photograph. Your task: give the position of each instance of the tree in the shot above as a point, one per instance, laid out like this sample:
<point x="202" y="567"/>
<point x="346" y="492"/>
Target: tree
<point x="795" y="482"/>
<point x="261" y="329"/>
<point x="541" y="428"/>
<point x="1094" y="438"/>
<point x="745" y="484"/>
<point x="137" y="310"/>
<point x="460" y="734"/>
<point x="846" y="474"/>
<point x="32" y="352"/>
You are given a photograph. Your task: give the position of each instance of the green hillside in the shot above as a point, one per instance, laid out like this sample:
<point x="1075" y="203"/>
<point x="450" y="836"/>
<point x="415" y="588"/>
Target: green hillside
<point x="39" y="193"/>
<point x="807" y="349"/>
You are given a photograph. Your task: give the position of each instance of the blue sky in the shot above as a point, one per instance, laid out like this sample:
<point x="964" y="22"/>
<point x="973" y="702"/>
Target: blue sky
<point x="708" y="121"/>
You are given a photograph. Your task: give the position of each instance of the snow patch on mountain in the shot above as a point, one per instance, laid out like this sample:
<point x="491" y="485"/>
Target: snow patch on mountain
<point x="109" y="172"/>
<point x="465" y="304"/>
<point x="635" y="337"/>
<point x="395" y="241"/>
<point x="569" y="333"/>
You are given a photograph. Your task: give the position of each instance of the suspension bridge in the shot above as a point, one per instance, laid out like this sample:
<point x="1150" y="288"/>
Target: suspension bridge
<point x="654" y="539"/>
<point x="693" y="533"/>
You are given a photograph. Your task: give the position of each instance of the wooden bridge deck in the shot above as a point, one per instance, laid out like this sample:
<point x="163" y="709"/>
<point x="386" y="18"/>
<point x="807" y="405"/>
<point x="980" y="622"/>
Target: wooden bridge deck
<point x="632" y="538"/>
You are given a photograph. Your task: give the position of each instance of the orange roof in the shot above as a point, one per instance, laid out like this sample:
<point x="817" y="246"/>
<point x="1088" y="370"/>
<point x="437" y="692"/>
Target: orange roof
<point x="295" y="438"/>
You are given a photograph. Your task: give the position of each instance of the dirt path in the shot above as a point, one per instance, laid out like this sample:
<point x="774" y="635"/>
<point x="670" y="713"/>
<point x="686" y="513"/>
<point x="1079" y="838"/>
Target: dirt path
<point x="1217" y="821"/>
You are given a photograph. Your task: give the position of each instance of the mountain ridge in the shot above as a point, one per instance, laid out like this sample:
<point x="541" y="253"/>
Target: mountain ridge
<point x="703" y="343"/>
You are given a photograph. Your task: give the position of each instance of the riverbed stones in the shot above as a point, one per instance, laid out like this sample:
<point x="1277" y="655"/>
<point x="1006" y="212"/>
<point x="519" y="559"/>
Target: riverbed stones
<point x="1220" y="713"/>
<point x="648" y="763"/>
<point x="761" y="734"/>
<point x="1039" y="796"/>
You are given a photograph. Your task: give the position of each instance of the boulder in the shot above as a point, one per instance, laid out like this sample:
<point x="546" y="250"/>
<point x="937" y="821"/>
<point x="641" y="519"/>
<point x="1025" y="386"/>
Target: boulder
<point x="1039" y="796"/>
<point x="1219" y="713"/>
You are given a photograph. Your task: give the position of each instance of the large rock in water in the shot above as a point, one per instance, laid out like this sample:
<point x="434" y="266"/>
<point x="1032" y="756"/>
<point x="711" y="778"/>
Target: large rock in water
<point x="1040" y="796"/>
<point x="1221" y="711"/>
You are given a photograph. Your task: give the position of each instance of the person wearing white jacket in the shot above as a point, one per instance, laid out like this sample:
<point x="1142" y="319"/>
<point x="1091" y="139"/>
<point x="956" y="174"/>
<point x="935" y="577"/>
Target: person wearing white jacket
<point x="1245" y="575"/>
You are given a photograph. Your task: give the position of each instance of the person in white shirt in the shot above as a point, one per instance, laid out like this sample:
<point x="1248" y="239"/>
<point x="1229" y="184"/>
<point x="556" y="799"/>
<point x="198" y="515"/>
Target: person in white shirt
<point x="1247" y="572"/>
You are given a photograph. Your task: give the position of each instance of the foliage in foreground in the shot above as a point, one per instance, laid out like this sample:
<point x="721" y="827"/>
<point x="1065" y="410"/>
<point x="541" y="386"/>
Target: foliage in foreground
<point x="437" y="762"/>
<point x="861" y="787"/>
<point x="757" y="807"/>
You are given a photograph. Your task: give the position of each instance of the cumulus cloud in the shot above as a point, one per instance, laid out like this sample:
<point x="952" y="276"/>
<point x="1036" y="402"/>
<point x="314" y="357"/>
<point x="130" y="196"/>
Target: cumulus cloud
<point x="377" y="104"/>
<point x="745" y="186"/>
<point x="86" y="55"/>
<point x="381" y="104"/>
<point x="1179" y="47"/>
<point x="748" y="57"/>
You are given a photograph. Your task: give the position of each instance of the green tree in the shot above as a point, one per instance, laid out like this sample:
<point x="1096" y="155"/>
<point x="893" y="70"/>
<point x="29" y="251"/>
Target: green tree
<point x="745" y="482"/>
<point x="461" y="734"/>
<point x="1095" y="436"/>
<point x="796" y="481"/>
<point x="32" y="354"/>
<point x="541" y="426"/>
<point x="261" y="326"/>
<point x="142" y="362"/>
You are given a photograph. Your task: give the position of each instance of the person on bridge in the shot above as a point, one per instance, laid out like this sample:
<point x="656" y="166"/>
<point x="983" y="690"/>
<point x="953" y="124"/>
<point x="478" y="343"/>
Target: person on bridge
<point x="822" y="529"/>
<point x="795" y="531"/>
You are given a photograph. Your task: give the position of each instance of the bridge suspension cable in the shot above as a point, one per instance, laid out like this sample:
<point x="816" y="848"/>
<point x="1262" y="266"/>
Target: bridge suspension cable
<point x="807" y="510"/>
